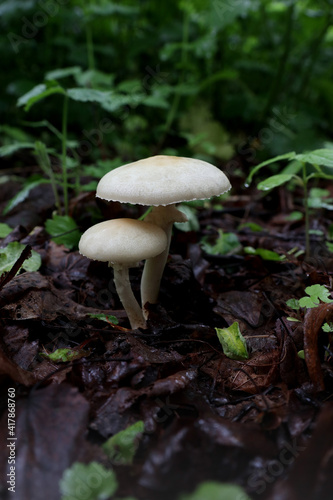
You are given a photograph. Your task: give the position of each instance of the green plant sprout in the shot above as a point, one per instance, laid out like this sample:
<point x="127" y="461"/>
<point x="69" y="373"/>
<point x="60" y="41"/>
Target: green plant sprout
<point x="315" y="295"/>
<point x="232" y="341"/>
<point x="297" y="169"/>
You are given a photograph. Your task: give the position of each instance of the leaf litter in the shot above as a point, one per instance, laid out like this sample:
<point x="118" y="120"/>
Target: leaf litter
<point x="262" y="423"/>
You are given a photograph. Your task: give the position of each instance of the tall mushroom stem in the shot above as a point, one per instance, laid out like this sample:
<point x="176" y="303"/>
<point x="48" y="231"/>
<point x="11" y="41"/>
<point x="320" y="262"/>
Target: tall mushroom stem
<point x="125" y="293"/>
<point x="164" y="217"/>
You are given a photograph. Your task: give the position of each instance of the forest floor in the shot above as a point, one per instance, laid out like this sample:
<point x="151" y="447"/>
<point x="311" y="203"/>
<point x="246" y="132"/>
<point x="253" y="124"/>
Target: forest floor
<point x="264" y="423"/>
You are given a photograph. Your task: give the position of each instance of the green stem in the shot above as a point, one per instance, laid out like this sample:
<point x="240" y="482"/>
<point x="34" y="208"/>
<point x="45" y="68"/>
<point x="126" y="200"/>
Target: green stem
<point x="90" y="48"/>
<point x="308" y="72"/>
<point x="64" y="151"/>
<point x="307" y="218"/>
<point x="45" y="164"/>
<point x="277" y="81"/>
<point x="176" y="100"/>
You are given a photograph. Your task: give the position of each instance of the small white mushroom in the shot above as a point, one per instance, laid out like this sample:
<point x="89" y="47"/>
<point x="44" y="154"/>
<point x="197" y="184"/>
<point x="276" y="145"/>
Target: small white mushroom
<point x="123" y="243"/>
<point x="161" y="181"/>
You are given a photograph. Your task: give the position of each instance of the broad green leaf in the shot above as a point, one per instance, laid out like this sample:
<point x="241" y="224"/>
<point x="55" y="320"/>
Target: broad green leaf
<point x="232" y="341"/>
<point x="286" y="156"/>
<point x="104" y="317"/>
<point x="322" y="157"/>
<point x="89" y="95"/>
<point x="264" y="253"/>
<point x="56" y="74"/>
<point x="316" y="294"/>
<point x="121" y="447"/>
<point x="64" y="230"/>
<point x="274" y="181"/>
<point x="110" y="101"/>
<point x="95" y="79"/>
<point x="5" y="230"/>
<point x="328" y="328"/>
<point x="9" y="149"/>
<point x="24" y="192"/>
<point x="225" y="244"/>
<point x="301" y="354"/>
<point x="293" y="304"/>
<point x="37" y="93"/>
<point x="88" y="482"/>
<point x="64" y="355"/>
<point x="213" y="490"/>
<point x="10" y="254"/>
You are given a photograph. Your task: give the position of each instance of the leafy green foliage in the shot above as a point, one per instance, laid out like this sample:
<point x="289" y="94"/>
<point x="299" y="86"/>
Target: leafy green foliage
<point x="232" y="341"/>
<point x="225" y="244"/>
<point x="63" y="230"/>
<point x="213" y="490"/>
<point x="88" y="482"/>
<point x="121" y="447"/>
<point x="10" y="253"/>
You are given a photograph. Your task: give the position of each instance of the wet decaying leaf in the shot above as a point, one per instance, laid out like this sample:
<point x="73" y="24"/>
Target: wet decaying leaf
<point x="263" y="423"/>
<point x="51" y="432"/>
<point x="314" y="319"/>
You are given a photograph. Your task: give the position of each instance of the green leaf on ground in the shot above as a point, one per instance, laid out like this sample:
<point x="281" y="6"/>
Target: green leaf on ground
<point x="104" y="317"/>
<point x="226" y="243"/>
<point x="64" y="355"/>
<point x="316" y="293"/>
<point x="121" y="447"/>
<point x="264" y="253"/>
<point x="64" y="230"/>
<point x="10" y="254"/>
<point x="293" y="304"/>
<point x="232" y="341"/>
<point x="212" y="490"/>
<point x="91" y="482"/>
<point x="5" y="230"/>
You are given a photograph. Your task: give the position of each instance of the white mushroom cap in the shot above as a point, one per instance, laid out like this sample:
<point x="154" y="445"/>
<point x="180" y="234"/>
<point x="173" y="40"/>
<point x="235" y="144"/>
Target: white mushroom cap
<point x="122" y="241"/>
<point x="163" y="180"/>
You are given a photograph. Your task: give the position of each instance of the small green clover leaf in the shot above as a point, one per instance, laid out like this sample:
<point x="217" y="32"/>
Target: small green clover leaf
<point x="316" y="294"/>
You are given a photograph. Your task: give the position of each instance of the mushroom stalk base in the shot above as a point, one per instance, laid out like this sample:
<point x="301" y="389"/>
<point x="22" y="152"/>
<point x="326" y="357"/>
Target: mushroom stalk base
<point x="125" y="293"/>
<point x="164" y="217"/>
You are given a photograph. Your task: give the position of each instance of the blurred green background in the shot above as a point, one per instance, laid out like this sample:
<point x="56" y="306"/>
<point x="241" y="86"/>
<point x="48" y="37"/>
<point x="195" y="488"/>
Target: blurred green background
<point x="218" y="79"/>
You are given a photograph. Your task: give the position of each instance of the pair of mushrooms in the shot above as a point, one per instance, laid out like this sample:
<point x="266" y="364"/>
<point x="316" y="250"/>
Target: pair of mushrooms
<point x="161" y="182"/>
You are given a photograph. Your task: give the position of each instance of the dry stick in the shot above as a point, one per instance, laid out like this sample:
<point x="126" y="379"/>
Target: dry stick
<point x="26" y="253"/>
